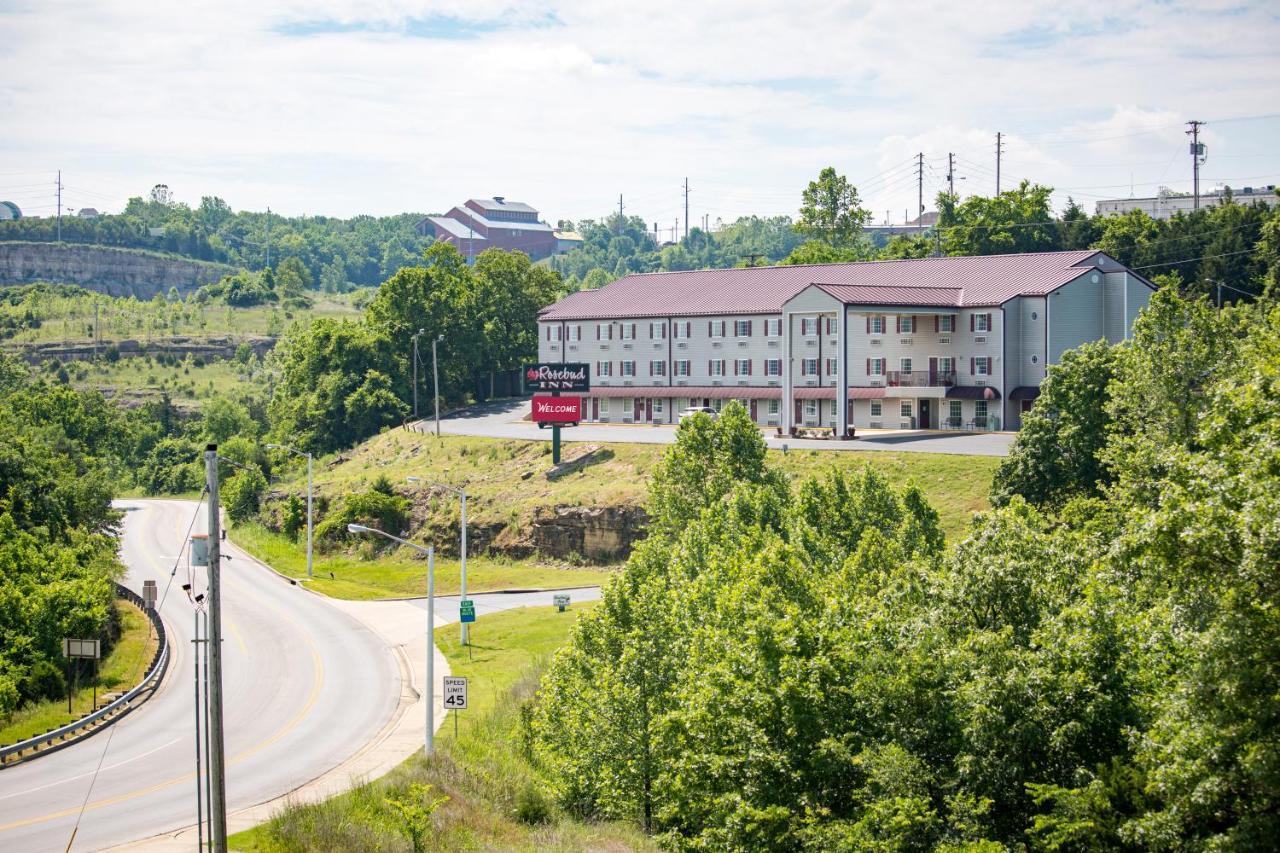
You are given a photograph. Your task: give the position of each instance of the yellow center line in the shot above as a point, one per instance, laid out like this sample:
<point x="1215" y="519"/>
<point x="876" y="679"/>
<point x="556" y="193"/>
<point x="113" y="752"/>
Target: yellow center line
<point x="317" y="684"/>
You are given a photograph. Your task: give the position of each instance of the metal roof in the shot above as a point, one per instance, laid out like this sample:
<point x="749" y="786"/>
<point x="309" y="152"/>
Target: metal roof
<point x="963" y="281"/>
<point x="495" y="204"/>
<point x="454" y="228"/>
<point x="721" y="392"/>
<point x="514" y="224"/>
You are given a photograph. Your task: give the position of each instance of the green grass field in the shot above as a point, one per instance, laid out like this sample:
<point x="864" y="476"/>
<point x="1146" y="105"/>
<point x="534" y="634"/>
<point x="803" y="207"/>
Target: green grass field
<point x="402" y="574"/>
<point x="495" y="797"/>
<point x="122" y="668"/>
<point x="188" y="384"/>
<point x="69" y="319"/>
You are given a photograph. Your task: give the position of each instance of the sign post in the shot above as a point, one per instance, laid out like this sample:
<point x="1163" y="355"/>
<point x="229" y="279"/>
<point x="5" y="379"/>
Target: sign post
<point x="555" y="378"/>
<point x="561" y="600"/>
<point x="466" y="611"/>
<point x="74" y="649"/>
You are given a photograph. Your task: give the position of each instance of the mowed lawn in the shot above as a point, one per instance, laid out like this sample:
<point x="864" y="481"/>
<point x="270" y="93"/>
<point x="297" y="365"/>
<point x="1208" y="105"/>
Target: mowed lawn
<point x="120" y="670"/>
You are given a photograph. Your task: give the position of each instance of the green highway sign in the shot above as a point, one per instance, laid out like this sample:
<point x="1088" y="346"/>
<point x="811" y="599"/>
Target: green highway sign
<point x="467" y="610"/>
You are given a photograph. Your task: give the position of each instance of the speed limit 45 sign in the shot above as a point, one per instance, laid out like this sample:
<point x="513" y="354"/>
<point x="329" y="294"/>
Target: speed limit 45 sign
<point x="455" y="693"/>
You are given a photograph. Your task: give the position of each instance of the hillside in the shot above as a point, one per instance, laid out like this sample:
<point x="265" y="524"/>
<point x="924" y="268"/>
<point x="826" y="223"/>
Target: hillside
<point x="113" y="271"/>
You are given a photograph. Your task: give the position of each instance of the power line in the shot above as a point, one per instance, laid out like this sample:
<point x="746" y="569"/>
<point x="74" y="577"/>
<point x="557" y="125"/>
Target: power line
<point x="1191" y="260"/>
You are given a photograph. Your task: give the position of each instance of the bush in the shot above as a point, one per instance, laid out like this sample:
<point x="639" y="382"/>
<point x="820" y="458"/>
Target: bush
<point x="242" y="494"/>
<point x="531" y="806"/>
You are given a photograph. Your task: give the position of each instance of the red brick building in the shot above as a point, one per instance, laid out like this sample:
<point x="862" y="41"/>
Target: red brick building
<point x="485" y="223"/>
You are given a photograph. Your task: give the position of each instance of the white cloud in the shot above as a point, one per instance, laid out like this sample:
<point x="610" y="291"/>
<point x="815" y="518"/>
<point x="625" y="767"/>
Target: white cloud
<point x="568" y="105"/>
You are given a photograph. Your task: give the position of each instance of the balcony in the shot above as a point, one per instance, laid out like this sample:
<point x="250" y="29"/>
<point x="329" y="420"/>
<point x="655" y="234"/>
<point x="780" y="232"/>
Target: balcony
<point x="919" y="379"/>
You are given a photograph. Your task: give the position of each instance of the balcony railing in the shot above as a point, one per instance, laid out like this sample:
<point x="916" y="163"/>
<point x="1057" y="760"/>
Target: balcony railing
<point x="919" y="379"/>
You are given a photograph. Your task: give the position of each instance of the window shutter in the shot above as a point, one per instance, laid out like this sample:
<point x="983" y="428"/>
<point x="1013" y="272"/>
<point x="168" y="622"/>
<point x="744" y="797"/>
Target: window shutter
<point x="748" y="328"/>
<point x="708" y="328"/>
<point x="868" y="324"/>
<point x="868" y="367"/>
<point x="988" y="322"/>
<point x="610" y="331"/>
<point x="915" y="324"/>
<point x="735" y="367"/>
<point x="973" y="365"/>
<point x="748" y="367"/>
<point x="971" y="316"/>
<point x="708" y="367"/>
<point x="936" y="322"/>
<point x="597" y="331"/>
<point x="897" y="323"/>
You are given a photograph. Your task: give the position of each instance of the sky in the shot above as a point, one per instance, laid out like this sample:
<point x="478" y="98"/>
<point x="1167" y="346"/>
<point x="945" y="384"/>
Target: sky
<point x="337" y="108"/>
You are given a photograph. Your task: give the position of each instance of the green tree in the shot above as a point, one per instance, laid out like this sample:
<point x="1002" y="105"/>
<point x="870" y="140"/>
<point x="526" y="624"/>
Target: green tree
<point x="242" y="493"/>
<point x="830" y="211"/>
<point x="1015" y="221"/>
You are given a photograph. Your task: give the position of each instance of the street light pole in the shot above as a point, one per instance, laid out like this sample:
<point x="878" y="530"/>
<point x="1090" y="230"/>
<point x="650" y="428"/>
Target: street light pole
<point x="462" y="494"/>
<point x="415" y="373"/>
<point x="217" y="766"/>
<point x="435" y="380"/>
<point x="310" y="517"/>
<point x="430" y="551"/>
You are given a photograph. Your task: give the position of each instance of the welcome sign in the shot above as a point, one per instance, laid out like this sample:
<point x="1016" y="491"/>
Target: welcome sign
<point x="557" y="377"/>
<point x="557" y="410"/>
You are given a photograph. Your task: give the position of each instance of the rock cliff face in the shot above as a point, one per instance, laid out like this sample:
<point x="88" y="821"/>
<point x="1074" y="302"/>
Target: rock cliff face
<point x="215" y="347"/>
<point x="603" y="534"/>
<point x="118" y="272"/>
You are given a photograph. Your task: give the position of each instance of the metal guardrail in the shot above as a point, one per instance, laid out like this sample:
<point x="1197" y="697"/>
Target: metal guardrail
<point x="117" y="709"/>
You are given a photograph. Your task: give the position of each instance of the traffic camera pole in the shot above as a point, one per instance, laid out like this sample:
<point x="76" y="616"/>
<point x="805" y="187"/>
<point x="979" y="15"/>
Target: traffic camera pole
<point x="217" y="768"/>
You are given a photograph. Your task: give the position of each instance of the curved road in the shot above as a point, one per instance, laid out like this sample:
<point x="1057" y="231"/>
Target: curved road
<point x="305" y="686"/>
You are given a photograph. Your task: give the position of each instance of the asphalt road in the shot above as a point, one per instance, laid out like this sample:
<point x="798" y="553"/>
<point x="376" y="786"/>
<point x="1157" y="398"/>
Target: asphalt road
<point x="305" y="686"/>
<point x="506" y="419"/>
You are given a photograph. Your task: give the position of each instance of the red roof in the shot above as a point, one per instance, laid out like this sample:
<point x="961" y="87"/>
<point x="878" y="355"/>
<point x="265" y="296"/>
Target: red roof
<point x="947" y="281"/>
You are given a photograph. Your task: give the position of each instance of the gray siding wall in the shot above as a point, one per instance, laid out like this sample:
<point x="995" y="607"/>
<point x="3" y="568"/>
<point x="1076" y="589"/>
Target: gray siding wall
<point x="1076" y="315"/>
<point x="1138" y="297"/>
<point x="1114" y="306"/>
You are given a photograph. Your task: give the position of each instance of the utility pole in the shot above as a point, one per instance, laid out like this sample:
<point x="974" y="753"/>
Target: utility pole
<point x="686" y="208"/>
<point x="920" y="191"/>
<point x="435" y="379"/>
<point x="415" y="373"/>
<point x="217" y="768"/>
<point x="951" y="174"/>
<point x="1197" y="157"/>
<point x="655" y="233"/>
<point x="621" y="221"/>
<point x="268" y="237"/>
<point x="999" y="155"/>
<point x="59" y="205"/>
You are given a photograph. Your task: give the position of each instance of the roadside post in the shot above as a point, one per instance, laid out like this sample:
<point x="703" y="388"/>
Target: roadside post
<point x="551" y="407"/>
<point x="561" y="600"/>
<point x="73" y="649"/>
<point x="455" y="698"/>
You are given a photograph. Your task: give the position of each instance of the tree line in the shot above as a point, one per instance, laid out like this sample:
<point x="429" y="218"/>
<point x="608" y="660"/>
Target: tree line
<point x="808" y="666"/>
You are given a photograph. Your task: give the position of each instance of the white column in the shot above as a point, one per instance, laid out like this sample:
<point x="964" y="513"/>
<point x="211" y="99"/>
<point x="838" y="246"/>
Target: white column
<point x="788" y="406"/>
<point x="842" y="372"/>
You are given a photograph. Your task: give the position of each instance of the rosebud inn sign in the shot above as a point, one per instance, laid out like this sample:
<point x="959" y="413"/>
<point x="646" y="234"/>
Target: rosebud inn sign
<point x="557" y="377"/>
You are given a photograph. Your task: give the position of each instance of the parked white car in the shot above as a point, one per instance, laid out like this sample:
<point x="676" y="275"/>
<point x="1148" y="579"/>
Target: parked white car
<point x="693" y="410"/>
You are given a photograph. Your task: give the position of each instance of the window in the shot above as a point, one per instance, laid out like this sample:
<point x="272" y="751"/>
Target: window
<point x="604" y="368"/>
<point x="809" y="367"/>
<point x="773" y="328"/>
<point x="808" y="325"/>
<point x="604" y="407"/>
<point x="905" y="365"/>
<point x="980" y="411"/>
<point x="875" y="367"/>
<point x="877" y="408"/>
<point x="982" y="322"/>
<point x="742" y="328"/>
<point x="718" y="404"/>
<point x="682" y="330"/>
<point x="906" y="324"/>
<point x="715" y="367"/>
<point x="604" y="331"/>
<point x="773" y="367"/>
<point x="907" y="409"/>
<point x="774" y="407"/>
<point x="982" y="366"/>
<point x="575" y="333"/>
<point x="680" y="368"/>
<point x="947" y="323"/>
<point x="811" y="410"/>
<point x="1035" y="359"/>
<point x="831" y="325"/>
<point x="657" y="405"/>
<point x="835" y="413"/>
<point x="742" y="367"/>
<point x="657" y="368"/>
<point x="553" y="333"/>
<point x="876" y="326"/>
<point x="628" y="408"/>
<point x="956" y="413"/>
<point x="715" y="328"/>
<point x="628" y="368"/>
<point x="628" y="331"/>
<point x="658" y="331"/>
<point x="946" y="366"/>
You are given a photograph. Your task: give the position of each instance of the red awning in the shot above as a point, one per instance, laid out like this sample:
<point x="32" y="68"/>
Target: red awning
<point x="808" y="393"/>
<point x="972" y="392"/>
<point x="866" y="393"/>
<point x="711" y="392"/>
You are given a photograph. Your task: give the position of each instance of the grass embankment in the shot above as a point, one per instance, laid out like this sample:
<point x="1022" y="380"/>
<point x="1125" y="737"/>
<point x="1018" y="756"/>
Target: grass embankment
<point x="506" y="487"/>
<point x="121" y="669"/>
<point x="496" y="798"/>
<point x="402" y="574"/>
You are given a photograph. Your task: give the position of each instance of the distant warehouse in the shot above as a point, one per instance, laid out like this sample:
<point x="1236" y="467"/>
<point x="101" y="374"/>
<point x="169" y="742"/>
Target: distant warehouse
<point x="933" y="343"/>
<point x="486" y="223"/>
